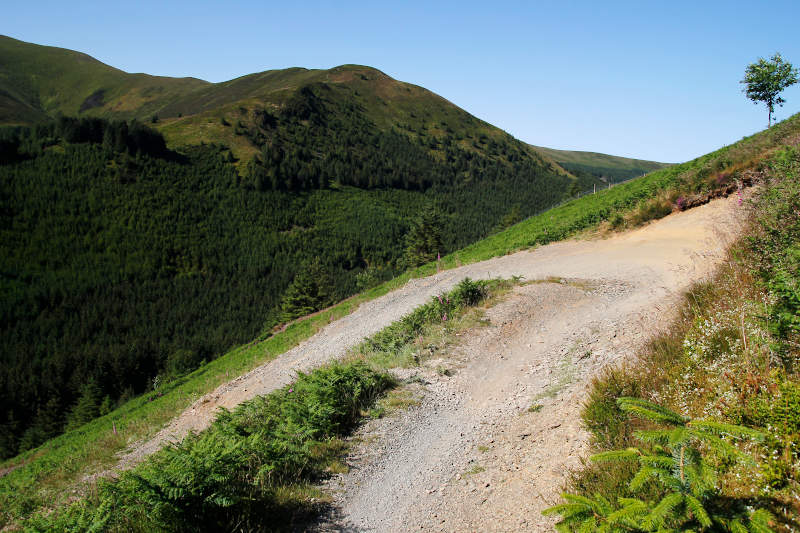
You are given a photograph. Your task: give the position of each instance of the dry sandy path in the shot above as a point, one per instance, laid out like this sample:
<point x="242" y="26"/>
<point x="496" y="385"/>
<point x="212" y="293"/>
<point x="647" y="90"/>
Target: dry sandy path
<point x="413" y="476"/>
<point x="472" y="456"/>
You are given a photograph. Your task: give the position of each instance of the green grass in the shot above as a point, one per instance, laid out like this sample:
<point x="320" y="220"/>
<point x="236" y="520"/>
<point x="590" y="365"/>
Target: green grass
<point x="239" y="473"/>
<point x="628" y="199"/>
<point x="428" y="330"/>
<point x="476" y="469"/>
<point x="54" y="80"/>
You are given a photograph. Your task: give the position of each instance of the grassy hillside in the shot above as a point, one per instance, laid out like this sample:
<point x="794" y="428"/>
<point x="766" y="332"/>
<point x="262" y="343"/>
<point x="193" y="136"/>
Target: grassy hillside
<point x="54" y="80"/>
<point x="40" y="81"/>
<point x="608" y="167"/>
<point x="42" y="476"/>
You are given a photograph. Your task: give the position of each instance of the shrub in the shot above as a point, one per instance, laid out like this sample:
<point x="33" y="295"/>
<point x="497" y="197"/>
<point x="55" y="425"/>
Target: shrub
<point x="609" y="425"/>
<point x="617" y="221"/>
<point x="652" y="210"/>
<point x="676" y="457"/>
<point x="468" y="293"/>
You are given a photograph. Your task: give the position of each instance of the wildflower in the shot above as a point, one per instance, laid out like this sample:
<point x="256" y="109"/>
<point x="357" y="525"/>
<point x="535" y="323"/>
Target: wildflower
<point x="444" y="317"/>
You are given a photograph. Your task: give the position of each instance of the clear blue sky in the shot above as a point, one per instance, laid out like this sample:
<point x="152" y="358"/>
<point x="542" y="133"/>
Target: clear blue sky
<point x="649" y="79"/>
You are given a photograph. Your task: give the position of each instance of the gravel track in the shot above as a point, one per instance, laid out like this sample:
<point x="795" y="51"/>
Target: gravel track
<point x="422" y="469"/>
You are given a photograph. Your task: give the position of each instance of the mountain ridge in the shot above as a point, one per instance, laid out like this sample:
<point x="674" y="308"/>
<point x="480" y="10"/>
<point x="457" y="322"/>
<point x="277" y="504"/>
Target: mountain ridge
<point x="37" y="82"/>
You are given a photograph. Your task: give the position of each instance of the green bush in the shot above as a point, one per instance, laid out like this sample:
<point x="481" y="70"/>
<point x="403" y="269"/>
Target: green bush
<point x="439" y="309"/>
<point x="681" y="457"/>
<point x="779" y="411"/>
<point x="652" y="209"/>
<point x="468" y="293"/>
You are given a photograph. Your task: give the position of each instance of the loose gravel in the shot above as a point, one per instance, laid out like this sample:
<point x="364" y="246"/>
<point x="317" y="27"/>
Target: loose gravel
<point x="489" y="446"/>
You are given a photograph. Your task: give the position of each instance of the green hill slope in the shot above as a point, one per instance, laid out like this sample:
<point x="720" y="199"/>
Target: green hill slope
<point x="122" y="262"/>
<point x="179" y="254"/>
<point x="54" y="80"/>
<point x="610" y="168"/>
<point x="40" y="81"/>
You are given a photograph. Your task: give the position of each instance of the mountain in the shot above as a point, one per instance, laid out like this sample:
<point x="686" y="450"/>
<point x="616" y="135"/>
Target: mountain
<point x="40" y="81"/>
<point x="609" y="168"/>
<point x="37" y="82"/>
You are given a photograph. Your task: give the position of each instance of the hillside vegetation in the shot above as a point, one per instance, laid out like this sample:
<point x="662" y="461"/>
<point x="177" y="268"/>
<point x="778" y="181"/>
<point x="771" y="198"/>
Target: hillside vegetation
<point x="608" y="167"/>
<point x="150" y="224"/>
<point x="132" y="254"/>
<point x="37" y="82"/>
<point x="703" y="432"/>
<point x="124" y="263"/>
<point x="40" y="475"/>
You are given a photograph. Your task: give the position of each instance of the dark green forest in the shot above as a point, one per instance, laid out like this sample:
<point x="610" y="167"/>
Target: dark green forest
<point x="122" y="262"/>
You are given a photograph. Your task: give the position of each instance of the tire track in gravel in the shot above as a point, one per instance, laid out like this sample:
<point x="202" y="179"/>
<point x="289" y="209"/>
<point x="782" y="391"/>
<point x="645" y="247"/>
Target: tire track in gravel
<point x="652" y="262"/>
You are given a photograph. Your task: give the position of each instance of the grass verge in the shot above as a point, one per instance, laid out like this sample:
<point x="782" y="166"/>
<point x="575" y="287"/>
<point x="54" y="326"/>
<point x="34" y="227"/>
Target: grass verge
<point x="242" y="473"/>
<point x="730" y="360"/>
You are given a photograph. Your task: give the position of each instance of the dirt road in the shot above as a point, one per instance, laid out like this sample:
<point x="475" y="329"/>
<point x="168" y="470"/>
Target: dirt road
<point x="471" y="456"/>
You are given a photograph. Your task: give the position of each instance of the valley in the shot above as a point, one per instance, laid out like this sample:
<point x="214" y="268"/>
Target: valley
<point x="152" y="223"/>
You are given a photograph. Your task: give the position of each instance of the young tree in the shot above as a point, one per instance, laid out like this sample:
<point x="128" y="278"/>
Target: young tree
<point x="676" y="458"/>
<point x="310" y="291"/>
<point x="86" y="408"/>
<point x="765" y="80"/>
<point x="424" y="239"/>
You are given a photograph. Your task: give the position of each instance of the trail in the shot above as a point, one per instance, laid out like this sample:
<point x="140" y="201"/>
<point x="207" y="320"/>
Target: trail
<point x="471" y="456"/>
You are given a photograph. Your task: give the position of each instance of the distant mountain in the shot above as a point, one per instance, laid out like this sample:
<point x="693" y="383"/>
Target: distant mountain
<point x="609" y="168"/>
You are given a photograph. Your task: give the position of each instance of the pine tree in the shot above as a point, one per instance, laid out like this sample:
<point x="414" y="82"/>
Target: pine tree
<point x="87" y="408"/>
<point x="310" y="291"/>
<point x="424" y="239"/>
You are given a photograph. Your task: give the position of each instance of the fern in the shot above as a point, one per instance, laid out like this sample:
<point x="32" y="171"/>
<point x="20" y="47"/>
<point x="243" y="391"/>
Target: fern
<point x="675" y="461"/>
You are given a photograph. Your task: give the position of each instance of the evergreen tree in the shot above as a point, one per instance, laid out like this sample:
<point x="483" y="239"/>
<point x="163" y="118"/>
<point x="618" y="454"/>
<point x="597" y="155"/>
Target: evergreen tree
<point x="424" y="239"/>
<point x="48" y="422"/>
<point x="87" y="407"/>
<point x="678" y="460"/>
<point x="310" y="291"/>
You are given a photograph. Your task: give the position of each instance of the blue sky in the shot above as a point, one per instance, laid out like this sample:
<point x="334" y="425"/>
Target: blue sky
<point x="654" y="79"/>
